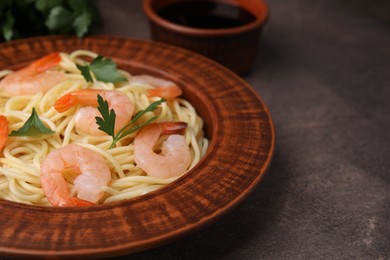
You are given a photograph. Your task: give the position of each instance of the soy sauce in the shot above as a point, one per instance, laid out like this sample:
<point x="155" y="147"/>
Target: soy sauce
<point x="206" y="15"/>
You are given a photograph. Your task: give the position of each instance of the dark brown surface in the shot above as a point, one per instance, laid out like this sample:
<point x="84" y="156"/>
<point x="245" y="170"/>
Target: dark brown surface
<point x="235" y="48"/>
<point x="242" y="142"/>
<point x="323" y="71"/>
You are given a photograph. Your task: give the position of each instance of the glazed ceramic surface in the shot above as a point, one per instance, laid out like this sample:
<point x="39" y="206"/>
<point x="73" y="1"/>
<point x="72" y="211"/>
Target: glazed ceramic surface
<point x="241" y="135"/>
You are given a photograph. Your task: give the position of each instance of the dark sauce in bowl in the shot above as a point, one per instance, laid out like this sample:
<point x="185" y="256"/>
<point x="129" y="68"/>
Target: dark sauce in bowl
<point x="206" y="15"/>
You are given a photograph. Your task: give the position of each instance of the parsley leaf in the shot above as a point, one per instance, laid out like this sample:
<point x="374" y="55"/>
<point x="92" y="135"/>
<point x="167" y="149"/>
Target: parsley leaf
<point x="104" y="70"/>
<point x="32" y="127"/>
<point x="82" y="22"/>
<point x="59" y="19"/>
<point x="46" y="5"/>
<point x="45" y="17"/>
<point x="85" y="71"/>
<point x="7" y="26"/>
<point x="107" y="121"/>
<point x="83" y="16"/>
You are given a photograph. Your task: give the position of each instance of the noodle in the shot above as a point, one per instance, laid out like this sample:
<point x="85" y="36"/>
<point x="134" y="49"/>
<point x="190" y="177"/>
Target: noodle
<point x="22" y="155"/>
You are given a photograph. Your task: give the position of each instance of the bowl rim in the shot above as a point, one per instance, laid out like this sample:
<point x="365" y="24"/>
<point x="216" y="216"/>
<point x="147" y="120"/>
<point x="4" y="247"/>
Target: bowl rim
<point x="206" y="33"/>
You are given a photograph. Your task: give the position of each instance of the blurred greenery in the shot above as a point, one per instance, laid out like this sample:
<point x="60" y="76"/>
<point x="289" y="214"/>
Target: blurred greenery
<point x="26" y="18"/>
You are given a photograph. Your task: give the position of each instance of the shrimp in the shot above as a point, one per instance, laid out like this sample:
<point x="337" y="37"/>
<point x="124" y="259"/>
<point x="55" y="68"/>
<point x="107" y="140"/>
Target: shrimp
<point x="175" y="157"/>
<point x="162" y="88"/>
<point x="85" y="117"/>
<point x="3" y="131"/>
<point x="34" y="78"/>
<point x="92" y="171"/>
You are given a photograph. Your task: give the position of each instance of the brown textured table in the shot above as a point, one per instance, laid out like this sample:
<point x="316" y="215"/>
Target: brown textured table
<point x="324" y="72"/>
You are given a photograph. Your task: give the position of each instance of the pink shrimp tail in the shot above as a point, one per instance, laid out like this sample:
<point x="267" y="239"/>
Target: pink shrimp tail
<point x="46" y="62"/>
<point x="169" y="128"/>
<point x="170" y="92"/>
<point x="86" y="97"/>
<point x="64" y="103"/>
<point x="3" y="131"/>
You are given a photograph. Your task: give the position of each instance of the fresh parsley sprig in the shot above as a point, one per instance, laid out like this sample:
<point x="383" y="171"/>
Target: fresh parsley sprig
<point x="107" y="120"/>
<point x="32" y="127"/>
<point x="104" y="70"/>
<point x="26" y="18"/>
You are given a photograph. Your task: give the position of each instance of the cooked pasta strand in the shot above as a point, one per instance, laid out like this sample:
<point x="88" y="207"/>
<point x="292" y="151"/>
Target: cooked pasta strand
<point x="21" y="159"/>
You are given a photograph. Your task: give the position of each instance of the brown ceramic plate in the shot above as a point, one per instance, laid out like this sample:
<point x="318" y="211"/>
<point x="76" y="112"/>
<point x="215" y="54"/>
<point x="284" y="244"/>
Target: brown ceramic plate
<point x="241" y="135"/>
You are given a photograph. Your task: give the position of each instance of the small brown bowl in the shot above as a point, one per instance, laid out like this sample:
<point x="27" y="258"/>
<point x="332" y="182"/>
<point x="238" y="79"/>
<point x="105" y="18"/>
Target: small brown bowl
<point x="234" y="47"/>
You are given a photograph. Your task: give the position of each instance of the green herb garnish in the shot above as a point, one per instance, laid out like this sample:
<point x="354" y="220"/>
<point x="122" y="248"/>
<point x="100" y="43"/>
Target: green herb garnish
<point x="26" y="18"/>
<point x="32" y="127"/>
<point x="104" y="70"/>
<point x="107" y="121"/>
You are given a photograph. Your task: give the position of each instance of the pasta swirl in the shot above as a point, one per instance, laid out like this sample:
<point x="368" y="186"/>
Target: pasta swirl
<point x="22" y="156"/>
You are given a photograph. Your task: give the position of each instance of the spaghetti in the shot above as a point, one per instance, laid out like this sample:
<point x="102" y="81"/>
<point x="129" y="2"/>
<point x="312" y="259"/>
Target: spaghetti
<point x="22" y="156"/>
